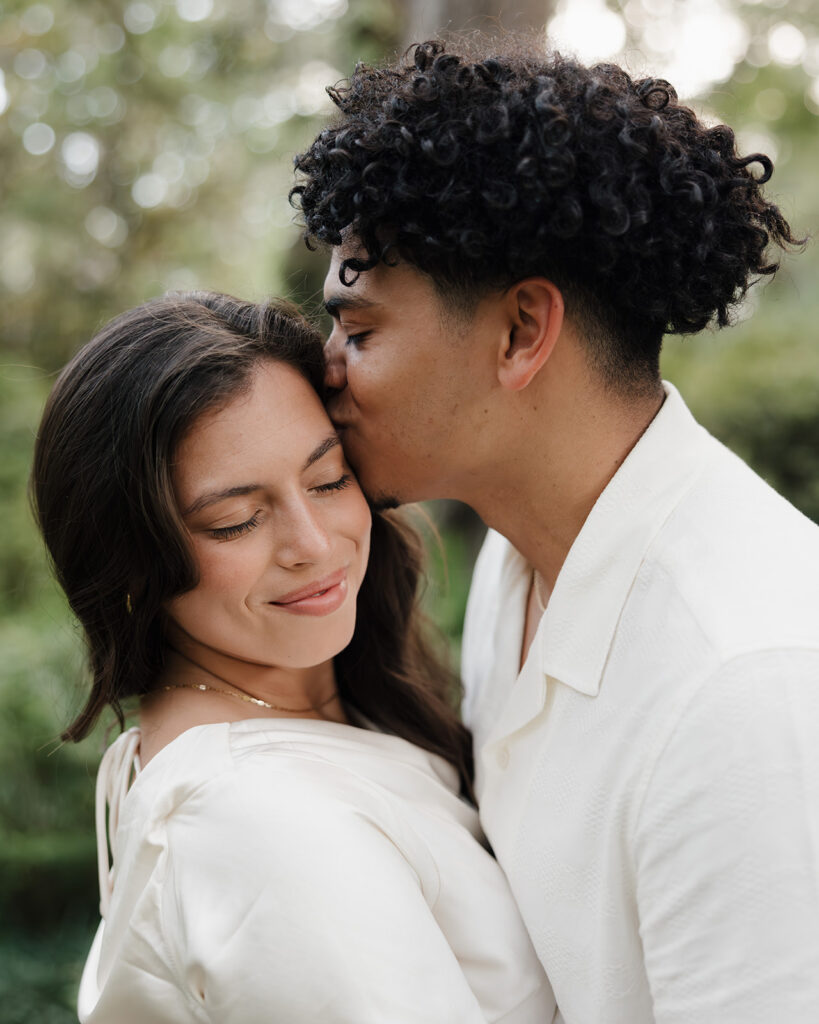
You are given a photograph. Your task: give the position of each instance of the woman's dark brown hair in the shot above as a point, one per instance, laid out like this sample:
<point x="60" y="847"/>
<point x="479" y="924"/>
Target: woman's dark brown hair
<point x="103" y="497"/>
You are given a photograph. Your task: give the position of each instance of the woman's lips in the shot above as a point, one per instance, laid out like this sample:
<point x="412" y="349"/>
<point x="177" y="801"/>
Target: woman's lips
<point x="319" y="598"/>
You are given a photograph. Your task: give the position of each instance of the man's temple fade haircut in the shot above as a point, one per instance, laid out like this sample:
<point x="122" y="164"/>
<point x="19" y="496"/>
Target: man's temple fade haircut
<point x="500" y="161"/>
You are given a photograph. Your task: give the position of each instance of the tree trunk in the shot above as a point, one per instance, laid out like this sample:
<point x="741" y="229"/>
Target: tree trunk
<point x="426" y="18"/>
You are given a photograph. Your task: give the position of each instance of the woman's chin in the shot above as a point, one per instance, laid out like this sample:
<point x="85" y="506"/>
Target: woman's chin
<point x="321" y="647"/>
<point x="331" y="646"/>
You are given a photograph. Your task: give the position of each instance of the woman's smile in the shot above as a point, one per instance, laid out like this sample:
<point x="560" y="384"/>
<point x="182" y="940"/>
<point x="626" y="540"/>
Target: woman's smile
<point x="319" y="598"/>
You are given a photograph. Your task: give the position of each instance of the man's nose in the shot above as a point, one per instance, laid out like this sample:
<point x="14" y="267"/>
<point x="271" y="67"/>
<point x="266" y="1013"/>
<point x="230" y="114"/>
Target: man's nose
<point x="335" y="372"/>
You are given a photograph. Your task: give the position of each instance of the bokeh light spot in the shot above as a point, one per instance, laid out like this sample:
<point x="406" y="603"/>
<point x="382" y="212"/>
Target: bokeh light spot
<point x="39" y="138"/>
<point x="17" y="272"/>
<point x="71" y="66"/>
<point x="37" y="20"/>
<point x="174" y="61"/>
<point x="170" y="166"/>
<point x="194" y="10"/>
<point x="109" y="38"/>
<point x="754" y="139"/>
<point x="310" y="95"/>
<point x="149" y="190"/>
<point x="139" y="18"/>
<point x="301" y="15"/>
<point x="812" y="96"/>
<point x="30" y="64"/>
<point x="587" y="28"/>
<point x="705" y="40"/>
<point x="81" y="156"/>
<point x="106" y="226"/>
<point x="787" y="43"/>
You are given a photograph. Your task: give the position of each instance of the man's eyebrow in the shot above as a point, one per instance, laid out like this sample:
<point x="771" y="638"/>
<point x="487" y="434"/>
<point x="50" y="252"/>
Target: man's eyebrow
<point x="338" y="303"/>
<point x="327" y="445"/>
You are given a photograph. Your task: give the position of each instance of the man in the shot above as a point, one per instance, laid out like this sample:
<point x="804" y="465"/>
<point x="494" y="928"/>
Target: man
<point x="512" y="235"/>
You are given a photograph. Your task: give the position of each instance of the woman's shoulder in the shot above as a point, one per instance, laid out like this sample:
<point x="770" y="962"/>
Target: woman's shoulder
<point x="294" y="794"/>
<point x="344" y="751"/>
<point x="206" y="766"/>
<point x="302" y="761"/>
<point x="193" y="759"/>
<point x="285" y="792"/>
<point x="273" y="805"/>
<point x="284" y="764"/>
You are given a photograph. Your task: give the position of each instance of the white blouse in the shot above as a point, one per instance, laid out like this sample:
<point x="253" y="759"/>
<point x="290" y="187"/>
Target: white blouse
<point x="300" y="871"/>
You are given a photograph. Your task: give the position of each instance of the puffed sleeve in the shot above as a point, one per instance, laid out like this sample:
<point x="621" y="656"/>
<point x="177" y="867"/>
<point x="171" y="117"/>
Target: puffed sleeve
<point x="727" y="850"/>
<point x="287" y="903"/>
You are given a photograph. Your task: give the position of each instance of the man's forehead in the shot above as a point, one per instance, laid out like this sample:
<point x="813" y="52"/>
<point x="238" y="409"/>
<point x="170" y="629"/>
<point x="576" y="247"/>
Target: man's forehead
<point x="337" y="257"/>
<point x="350" y="249"/>
<point x="337" y="294"/>
<point x="386" y="290"/>
<point x="364" y="285"/>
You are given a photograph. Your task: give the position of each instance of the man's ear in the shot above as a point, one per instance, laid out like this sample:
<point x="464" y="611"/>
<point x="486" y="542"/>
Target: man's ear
<point x="535" y="317"/>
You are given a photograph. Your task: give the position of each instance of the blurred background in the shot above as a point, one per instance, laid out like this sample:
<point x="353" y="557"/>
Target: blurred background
<point x="147" y="146"/>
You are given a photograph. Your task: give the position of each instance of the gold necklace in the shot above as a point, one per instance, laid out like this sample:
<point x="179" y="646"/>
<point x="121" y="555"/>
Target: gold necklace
<point x="248" y="699"/>
<point x="241" y="696"/>
<point x="537" y="582"/>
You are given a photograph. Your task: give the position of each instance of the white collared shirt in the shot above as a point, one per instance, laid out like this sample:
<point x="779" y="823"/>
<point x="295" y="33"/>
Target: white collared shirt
<point x="649" y="780"/>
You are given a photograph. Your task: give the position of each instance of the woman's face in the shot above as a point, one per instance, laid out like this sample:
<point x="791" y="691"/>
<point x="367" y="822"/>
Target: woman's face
<point x="278" y="527"/>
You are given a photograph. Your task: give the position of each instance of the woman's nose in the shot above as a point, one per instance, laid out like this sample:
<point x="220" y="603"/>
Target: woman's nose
<point x="335" y="373"/>
<point x="301" y="535"/>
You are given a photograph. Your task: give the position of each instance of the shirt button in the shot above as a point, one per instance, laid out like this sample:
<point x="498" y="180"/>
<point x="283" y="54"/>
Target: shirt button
<point x="503" y="757"/>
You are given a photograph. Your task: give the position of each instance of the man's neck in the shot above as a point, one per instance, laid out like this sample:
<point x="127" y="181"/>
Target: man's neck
<point x="541" y="492"/>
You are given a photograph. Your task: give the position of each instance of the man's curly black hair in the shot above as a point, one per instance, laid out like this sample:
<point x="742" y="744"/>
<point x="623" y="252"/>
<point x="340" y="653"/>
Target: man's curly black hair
<point x="499" y="162"/>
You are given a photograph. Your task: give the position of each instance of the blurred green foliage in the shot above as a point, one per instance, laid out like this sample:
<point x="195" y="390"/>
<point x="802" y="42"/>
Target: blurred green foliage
<point x="147" y="145"/>
<point x="756" y="385"/>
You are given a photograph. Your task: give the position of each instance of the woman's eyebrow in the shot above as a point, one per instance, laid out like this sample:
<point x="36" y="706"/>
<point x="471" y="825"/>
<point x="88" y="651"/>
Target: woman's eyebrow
<point x="321" y="449"/>
<point x="213" y="496"/>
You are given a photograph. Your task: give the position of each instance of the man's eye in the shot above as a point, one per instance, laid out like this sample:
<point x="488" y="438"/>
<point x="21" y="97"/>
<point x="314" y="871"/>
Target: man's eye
<point x="357" y="339"/>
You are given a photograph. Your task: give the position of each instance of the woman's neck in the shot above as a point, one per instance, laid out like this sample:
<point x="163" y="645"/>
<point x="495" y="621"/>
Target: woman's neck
<point x="199" y="686"/>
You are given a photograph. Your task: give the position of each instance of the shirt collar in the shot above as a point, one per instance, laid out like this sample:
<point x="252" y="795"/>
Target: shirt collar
<point x="578" y="626"/>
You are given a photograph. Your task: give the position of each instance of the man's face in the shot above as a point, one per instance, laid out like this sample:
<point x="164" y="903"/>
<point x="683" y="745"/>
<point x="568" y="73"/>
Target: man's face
<point x="407" y="380"/>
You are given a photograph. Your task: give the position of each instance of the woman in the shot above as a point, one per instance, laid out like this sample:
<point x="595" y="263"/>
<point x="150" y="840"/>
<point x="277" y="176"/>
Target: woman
<point x="293" y="846"/>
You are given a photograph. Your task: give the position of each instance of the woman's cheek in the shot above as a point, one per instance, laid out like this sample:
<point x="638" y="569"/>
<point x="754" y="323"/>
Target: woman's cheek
<point x="362" y="522"/>
<point x="226" y="564"/>
<point x="365" y="526"/>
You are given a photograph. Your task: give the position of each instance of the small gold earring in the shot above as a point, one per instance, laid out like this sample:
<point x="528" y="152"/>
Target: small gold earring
<point x="128" y="606"/>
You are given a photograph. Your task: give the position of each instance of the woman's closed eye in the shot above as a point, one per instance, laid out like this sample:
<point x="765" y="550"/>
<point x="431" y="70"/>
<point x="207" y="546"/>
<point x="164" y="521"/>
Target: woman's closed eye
<point x="237" y="529"/>
<point x="334" y="485"/>
<point x="357" y="339"/>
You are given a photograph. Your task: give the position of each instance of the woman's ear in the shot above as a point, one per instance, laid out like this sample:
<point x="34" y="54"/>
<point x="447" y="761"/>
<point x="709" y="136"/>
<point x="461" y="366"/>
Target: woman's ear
<point x="535" y="312"/>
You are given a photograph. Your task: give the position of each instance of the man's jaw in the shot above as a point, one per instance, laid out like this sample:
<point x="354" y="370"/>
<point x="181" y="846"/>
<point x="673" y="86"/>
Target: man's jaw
<point x="382" y="502"/>
<point x="379" y="500"/>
